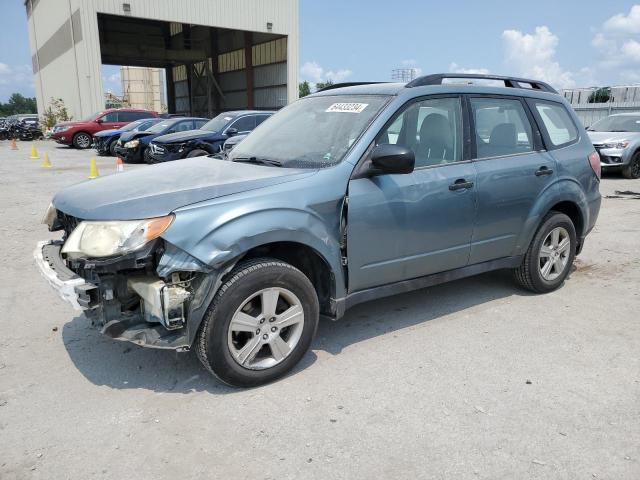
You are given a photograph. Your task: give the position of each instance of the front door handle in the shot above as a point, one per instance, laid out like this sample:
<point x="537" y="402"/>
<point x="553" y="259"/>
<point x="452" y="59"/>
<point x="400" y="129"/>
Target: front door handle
<point x="543" y="171"/>
<point x="460" y="184"/>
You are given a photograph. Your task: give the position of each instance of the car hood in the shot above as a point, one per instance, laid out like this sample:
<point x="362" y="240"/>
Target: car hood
<point x="184" y="136"/>
<point x="68" y="124"/>
<point x="127" y="136"/>
<point x="606" y="137"/>
<point x="158" y="190"/>
<point x="107" y="133"/>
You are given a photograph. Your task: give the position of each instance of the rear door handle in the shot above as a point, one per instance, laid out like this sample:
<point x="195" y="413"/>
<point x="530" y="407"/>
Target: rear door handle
<point x="543" y="171"/>
<point x="460" y="184"/>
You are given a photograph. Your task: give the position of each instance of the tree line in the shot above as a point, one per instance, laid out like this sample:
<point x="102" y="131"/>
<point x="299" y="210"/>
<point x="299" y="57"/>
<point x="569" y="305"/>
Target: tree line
<point x="18" y="104"/>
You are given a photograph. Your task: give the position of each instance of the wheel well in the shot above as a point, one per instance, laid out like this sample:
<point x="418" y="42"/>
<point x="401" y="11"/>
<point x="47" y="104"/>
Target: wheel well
<point x="572" y="211"/>
<point x="309" y="262"/>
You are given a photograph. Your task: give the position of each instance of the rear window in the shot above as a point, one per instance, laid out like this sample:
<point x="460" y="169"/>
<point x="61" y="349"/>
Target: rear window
<point x="557" y="122"/>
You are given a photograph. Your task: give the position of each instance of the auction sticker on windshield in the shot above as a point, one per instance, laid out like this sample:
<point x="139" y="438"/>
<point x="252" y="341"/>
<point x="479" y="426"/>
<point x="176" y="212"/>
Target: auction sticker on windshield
<point x="347" y="107"/>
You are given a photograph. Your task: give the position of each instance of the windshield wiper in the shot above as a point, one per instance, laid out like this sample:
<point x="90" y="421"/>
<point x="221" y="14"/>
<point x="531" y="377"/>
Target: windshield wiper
<point x="258" y="161"/>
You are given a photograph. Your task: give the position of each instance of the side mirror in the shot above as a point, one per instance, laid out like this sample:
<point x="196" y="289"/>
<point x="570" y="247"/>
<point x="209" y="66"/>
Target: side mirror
<point x="232" y="131"/>
<point x="387" y="159"/>
<point x="99" y="120"/>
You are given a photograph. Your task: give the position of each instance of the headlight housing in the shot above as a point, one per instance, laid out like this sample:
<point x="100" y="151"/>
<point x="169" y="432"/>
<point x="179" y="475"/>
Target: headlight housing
<point x="621" y="144"/>
<point x="109" y="238"/>
<point x="132" y="144"/>
<point x="61" y="129"/>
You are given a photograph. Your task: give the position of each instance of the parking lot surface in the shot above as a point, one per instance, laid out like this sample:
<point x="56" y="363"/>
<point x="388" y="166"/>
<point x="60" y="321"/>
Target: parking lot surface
<point x="472" y="379"/>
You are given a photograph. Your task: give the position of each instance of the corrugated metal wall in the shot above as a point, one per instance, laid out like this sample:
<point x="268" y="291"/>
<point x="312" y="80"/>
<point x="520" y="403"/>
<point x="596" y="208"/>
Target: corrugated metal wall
<point x="76" y="76"/>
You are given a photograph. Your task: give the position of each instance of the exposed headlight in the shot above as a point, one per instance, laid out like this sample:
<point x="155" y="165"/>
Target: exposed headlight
<point x="109" y="238"/>
<point x="619" y="145"/>
<point x="132" y="144"/>
<point x="50" y="216"/>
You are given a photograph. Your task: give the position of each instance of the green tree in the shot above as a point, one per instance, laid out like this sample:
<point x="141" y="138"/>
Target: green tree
<point x="321" y="85"/>
<point x="54" y="113"/>
<point x="18" y="104"/>
<point x="303" y="89"/>
<point x="601" y="95"/>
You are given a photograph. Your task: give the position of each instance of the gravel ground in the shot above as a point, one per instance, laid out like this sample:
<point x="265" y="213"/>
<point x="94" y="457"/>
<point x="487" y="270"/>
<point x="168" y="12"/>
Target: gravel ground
<point x="473" y="379"/>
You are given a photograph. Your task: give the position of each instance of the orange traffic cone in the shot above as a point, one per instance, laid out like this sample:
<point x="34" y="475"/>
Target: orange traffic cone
<point x="93" y="169"/>
<point x="14" y="145"/>
<point x="119" y="165"/>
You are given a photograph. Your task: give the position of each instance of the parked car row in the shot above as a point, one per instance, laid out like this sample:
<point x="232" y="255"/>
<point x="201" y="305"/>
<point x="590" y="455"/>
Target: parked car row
<point x="617" y="140"/>
<point x="20" y="127"/>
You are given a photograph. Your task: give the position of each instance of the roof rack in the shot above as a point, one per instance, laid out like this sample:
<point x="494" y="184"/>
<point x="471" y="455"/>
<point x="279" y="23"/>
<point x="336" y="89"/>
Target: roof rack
<point x="510" y="82"/>
<point x="347" y="84"/>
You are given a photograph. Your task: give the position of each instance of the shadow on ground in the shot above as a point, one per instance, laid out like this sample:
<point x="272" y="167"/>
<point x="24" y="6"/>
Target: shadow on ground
<point x="126" y="366"/>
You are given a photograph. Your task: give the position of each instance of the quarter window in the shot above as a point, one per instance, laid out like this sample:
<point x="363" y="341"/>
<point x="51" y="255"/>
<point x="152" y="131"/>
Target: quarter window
<point x="557" y="122"/>
<point x="431" y="128"/>
<point x="501" y="127"/>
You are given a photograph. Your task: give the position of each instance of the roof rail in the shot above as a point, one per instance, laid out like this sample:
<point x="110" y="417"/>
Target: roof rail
<point x="346" y="84"/>
<point x="511" y="82"/>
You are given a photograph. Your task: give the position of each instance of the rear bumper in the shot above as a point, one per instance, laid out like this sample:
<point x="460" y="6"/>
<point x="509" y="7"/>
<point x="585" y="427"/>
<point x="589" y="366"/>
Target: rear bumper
<point x="69" y="286"/>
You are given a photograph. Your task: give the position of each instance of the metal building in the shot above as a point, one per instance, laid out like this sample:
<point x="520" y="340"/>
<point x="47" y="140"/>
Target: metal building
<point x="218" y="54"/>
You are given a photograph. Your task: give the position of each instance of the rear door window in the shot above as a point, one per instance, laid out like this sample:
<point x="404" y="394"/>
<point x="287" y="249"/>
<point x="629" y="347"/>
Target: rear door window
<point x="244" y="124"/>
<point x="556" y="120"/>
<point x="501" y="127"/>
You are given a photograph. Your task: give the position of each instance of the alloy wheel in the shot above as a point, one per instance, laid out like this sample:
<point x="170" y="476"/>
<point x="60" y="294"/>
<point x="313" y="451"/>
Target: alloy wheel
<point x="554" y="254"/>
<point x="266" y="328"/>
<point x="83" y="140"/>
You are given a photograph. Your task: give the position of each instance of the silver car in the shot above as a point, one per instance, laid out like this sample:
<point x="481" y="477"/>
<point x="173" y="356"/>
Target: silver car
<point x="617" y="140"/>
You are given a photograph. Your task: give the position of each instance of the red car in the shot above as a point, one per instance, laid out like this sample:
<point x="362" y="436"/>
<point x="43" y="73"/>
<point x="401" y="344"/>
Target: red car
<point x="79" y="134"/>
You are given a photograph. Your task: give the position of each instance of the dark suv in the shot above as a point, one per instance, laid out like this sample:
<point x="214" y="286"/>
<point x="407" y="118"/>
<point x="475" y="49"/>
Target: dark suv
<point x="208" y="139"/>
<point x="345" y="196"/>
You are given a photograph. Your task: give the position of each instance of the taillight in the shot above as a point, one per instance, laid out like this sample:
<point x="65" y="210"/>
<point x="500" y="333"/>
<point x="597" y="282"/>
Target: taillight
<point x="594" y="161"/>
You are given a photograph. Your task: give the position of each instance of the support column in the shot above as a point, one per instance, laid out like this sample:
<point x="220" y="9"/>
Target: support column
<point x="171" y="89"/>
<point x="248" y="60"/>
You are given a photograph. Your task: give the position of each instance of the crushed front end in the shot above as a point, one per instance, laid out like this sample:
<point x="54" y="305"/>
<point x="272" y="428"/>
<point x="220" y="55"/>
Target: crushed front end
<point x="144" y="296"/>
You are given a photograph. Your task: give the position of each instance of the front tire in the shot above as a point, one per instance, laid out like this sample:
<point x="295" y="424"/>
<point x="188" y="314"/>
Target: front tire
<point x="260" y="323"/>
<point x="81" y="140"/>
<point x="632" y="171"/>
<point x="550" y="255"/>
<point x="112" y="147"/>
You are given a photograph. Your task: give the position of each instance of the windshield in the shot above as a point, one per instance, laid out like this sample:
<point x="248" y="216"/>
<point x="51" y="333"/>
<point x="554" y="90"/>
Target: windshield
<point x="314" y="132"/>
<point x="132" y="126"/>
<point x="160" y="127"/>
<point x="218" y="123"/>
<point x="617" y="123"/>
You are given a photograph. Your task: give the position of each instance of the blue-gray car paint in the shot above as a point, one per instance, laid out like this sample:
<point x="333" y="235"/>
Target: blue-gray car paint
<point x="223" y="210"/>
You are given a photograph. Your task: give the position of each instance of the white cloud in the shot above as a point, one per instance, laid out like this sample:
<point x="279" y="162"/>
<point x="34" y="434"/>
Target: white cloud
<point x="618" y="43"/>
<point x="533" y="55"/>
<point x="314" y="73"/>
<point x="455" y="68"/>
<point x="624" y="24"/>
<point x="16" y="75"/>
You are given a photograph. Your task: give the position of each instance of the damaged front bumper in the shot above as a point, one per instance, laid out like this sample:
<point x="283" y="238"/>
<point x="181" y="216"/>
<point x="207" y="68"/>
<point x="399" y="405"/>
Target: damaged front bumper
<point x="126" y="297"/>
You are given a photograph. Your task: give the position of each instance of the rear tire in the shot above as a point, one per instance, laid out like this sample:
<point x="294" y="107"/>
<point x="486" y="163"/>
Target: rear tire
<point x="550" y="255"/>
<point x="243" y="344"/>
<point x="632" y="171"/>
<point x="197" y="153"/>
<point x="81" y="140"/>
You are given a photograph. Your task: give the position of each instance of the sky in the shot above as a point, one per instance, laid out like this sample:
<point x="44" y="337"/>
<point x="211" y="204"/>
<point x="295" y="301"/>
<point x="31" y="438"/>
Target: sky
<point x="567" y="43"/>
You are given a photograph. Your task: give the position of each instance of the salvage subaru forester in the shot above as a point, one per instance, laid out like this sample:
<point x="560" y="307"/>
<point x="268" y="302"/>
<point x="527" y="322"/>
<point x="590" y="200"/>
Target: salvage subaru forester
<point x="348" y="195"/>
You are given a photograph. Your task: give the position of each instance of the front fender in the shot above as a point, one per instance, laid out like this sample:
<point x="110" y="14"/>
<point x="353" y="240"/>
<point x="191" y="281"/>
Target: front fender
<point x="221" y="240"/>
<point x="563" y="190"/>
